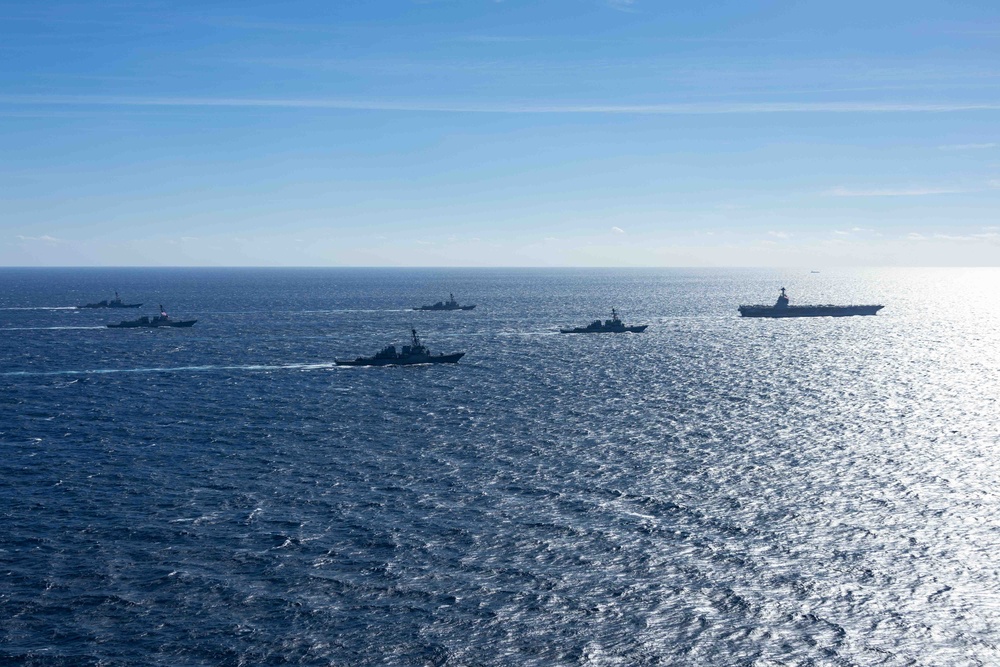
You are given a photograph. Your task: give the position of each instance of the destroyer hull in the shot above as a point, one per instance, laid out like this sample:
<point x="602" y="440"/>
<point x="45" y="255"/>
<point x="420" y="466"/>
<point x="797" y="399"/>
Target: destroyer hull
<point x="160" y="325"/>
<point x="413" y="361"/>
<point x="808" y="311"/>
<point x="109" y="305"/>
<point x="445" y="308"/>
<point x="630" y="329"/>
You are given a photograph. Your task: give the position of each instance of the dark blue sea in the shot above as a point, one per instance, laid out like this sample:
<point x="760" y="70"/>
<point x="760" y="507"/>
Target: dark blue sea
<point x="714" y="491"/>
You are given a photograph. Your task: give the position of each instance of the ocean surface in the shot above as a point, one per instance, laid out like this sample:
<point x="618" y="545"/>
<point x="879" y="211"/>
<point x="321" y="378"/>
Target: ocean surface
<point x="715" y="491"/>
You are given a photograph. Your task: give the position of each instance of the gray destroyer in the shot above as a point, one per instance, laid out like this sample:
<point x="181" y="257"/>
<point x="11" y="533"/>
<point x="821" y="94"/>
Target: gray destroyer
<point x="782" y="309"/>
<point x="614" y="325"/>
<point x="155" y="322"/>
<point x="112" y="303"/>
<point x="412" y="354"/>
<point x="450" y="304"/>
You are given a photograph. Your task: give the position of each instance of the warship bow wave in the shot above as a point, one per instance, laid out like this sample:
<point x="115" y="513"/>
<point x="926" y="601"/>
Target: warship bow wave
<point x="782" y="309"/>
<point x="112" y="303"/>
<point x="450" y="304"/>
<point x="614" y="325"/>
<point x="412" y="354"/>
<point x="161" y="320"/>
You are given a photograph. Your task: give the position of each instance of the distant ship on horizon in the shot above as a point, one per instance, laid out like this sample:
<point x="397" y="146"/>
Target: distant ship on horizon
<point x="782" y="309"/>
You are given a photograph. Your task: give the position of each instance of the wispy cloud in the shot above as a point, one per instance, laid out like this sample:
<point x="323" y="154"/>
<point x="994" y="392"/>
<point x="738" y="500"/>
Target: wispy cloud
<point x="45" y="238"/>
<point x="889" y="192"/>
<point x="621" y="5"/>
<point x="496" y="39"/>
<point x="779" y="235"/>
<point x="617" y="230"/>
<point x="967" y="147"/>
<point x="496" y="108"/>
<point x="990" y="236"/>
<point x="855" y="231"/>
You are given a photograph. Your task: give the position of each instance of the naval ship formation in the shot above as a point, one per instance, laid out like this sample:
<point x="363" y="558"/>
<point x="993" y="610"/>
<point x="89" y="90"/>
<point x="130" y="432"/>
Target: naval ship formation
<point x="417" y="353"/>
<point x="782" y="309"/>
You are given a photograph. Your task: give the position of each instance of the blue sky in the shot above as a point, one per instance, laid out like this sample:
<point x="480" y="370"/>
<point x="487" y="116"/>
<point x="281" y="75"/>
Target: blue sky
<point x="468" y="133"/>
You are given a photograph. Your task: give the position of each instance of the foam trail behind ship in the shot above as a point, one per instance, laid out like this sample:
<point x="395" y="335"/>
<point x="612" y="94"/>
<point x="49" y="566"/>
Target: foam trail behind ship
<point x="175" y="369"/>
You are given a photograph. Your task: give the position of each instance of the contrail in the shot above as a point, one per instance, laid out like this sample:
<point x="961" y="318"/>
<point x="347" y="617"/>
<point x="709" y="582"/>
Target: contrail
<point x="512" y="108"/>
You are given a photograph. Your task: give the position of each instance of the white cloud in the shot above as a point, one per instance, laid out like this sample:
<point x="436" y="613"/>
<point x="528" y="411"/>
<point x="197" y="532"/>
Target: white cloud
<point x="779" y="235"/>
<point x="856" y="230"/>
<point x="45" y="238"/>
<point x="618" y="230"/>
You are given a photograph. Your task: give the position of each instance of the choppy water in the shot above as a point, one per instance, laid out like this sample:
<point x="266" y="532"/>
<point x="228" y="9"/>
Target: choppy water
<point x="715" y="491"/>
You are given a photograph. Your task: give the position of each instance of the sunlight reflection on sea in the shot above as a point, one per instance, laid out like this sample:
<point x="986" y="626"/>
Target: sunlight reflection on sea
<point x="713" y="491"/>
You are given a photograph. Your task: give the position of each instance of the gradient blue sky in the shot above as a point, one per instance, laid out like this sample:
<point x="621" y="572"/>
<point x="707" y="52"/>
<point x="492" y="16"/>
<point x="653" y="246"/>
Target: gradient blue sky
<point x="504" y="133"/>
